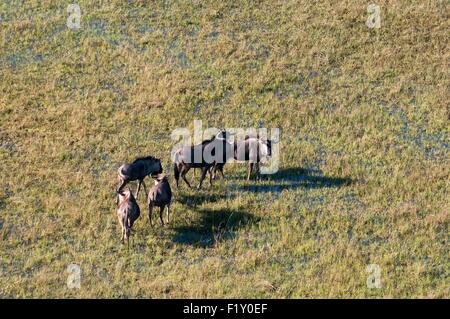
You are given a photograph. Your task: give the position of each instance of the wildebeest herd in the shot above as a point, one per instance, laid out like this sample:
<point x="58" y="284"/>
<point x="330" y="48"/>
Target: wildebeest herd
<point x="210" y="156"/>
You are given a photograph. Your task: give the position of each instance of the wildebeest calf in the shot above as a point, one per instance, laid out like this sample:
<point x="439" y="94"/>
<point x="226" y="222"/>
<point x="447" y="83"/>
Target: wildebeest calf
<point x="128" y="212"/>
<point x="160" y="196"/>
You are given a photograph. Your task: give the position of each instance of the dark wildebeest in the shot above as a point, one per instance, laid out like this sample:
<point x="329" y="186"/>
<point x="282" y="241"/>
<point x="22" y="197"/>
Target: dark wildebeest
<point x="204" y="156"/>
<point x="138" y="170"/>
<point x="127" y="212"/>
<point x="253" y="150"/>
<point x="160" y="196"/>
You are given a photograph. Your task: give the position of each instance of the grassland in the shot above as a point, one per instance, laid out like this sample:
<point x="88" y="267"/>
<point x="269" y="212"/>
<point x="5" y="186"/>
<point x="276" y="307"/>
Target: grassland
<point x="364" y="165"/>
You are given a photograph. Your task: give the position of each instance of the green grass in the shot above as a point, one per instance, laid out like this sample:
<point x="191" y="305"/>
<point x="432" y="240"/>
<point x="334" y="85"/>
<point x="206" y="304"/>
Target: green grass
<point x="364" y="165"/>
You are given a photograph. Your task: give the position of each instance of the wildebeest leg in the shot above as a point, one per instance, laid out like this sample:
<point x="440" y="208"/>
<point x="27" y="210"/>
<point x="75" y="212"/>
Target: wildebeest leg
<point x="204" y="171"/>
<point x="183" y="175"/>
<point x="127" y="232"/>
<point x="210" y="176"/>
<point x="145" y="188"/>
<point x="161" y="210"/>
<point x="213" y="170"/>
<point x="150" y="209"/>
<point x="123" y="235"/>
<point x="176" y="173"/>
<point x="219" y="169"/>
<point x="250" y="169"/>
<point x="138" y="188"/>
<point x="168" y="213"/>
<point x="258" y="175"/>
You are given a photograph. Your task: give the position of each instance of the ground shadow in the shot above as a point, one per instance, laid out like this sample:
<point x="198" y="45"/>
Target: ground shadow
<point x="198" y="198"/>
<point x="213" y="226"/>
<point x="292" y="178"/>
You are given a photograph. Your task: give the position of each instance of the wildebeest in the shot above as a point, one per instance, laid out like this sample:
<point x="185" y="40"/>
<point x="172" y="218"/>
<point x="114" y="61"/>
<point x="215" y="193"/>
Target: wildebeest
<point x="204" y="156"/>
<point x="127" y="212"/>
<point x="252" y="149"/>
<point x="160" y="196"/>
<point x="138" y="170"/>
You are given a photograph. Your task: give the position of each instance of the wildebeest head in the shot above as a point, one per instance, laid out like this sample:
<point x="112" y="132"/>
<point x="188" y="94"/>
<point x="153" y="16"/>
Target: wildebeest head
<point x="124" y="195"/>
<point x="158" y="178"/>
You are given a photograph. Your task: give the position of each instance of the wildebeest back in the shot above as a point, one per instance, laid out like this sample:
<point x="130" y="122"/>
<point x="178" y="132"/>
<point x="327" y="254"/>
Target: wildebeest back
<point x="161" y="194"/>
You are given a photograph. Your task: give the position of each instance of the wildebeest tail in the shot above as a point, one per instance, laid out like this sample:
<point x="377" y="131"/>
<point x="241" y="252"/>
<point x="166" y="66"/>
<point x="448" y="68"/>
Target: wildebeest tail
<point x="176" y="162"/>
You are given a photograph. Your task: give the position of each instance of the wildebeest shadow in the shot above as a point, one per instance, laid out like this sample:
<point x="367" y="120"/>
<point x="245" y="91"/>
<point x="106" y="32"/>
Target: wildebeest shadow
<point x="292" y="178"/>
<point x="213" y="226"/>
<point x="204" y="196"/>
